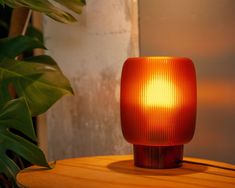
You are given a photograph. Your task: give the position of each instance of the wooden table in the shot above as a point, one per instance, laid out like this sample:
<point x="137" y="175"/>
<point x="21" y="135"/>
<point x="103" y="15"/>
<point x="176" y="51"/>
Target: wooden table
<point x="119" y="172"/>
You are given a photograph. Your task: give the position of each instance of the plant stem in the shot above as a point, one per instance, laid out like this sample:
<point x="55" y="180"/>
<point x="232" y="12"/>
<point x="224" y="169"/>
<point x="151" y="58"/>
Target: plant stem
<point x="26" y="22"/>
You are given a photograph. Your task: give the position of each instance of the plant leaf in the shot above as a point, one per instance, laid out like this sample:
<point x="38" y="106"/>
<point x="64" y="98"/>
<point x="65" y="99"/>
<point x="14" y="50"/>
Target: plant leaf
<point x="61" y="16"/>
<point x="43" y="6"/>
<point x="2" y="2"/>
<point x="35" y="33"/>
<point x="38" y="79"/>
<point x="15" y="115"/>
<point x="12" y="3"/>
<point x="74" y="5"/>
<point x="4" y="95"/>
<point x="14" y="46"/>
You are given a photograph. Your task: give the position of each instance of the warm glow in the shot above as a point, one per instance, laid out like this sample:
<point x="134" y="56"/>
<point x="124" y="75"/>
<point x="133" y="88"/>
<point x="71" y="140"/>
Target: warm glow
<point x="158" y="100"/>
<point x="159" y="93"/>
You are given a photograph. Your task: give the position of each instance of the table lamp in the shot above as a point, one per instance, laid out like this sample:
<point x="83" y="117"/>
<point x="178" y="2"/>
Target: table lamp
<point x="158" y="108"/>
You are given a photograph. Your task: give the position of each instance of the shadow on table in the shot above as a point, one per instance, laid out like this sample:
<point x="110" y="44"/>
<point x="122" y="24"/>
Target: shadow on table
<point x="127" y="167"/>
<point x="35" y="169"/>
<point x="39" y="168"/>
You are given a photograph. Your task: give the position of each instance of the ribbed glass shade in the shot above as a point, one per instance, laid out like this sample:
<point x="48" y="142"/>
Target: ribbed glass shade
<point x="158" y="101"/>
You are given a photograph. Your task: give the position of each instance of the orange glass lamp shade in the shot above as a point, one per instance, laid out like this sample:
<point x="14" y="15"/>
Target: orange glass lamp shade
<point x="158" y="108"/>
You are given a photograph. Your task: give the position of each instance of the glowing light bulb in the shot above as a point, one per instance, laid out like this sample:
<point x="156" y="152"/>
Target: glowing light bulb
<point x="159" y="93"/>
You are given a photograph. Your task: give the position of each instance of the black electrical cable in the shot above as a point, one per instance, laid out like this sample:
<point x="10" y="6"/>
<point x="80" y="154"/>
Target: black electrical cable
<point x="210" y="165"/>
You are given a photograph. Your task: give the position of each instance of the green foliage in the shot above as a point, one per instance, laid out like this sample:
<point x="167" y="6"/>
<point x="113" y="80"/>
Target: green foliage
<point x="49" y="8"/>
<point x="74" y="5"/>
<point x="15" y="115"/>
<point x="38" y="79"/>
<point x="39" y="83"/>
<point x="11" y="47"/>
<point x="35" y="33"/>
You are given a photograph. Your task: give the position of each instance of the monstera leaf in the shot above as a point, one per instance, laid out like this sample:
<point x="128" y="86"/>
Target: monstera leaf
<point x="14" y="46"/>
<point x="48" y="8"/>
<point x="15" y="115"/>
<point x="38" y="79"/>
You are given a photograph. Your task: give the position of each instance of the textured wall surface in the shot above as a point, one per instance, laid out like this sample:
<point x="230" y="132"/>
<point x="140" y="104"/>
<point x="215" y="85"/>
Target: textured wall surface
<point x="204" y="31"/>
<point x="91" y="54"/>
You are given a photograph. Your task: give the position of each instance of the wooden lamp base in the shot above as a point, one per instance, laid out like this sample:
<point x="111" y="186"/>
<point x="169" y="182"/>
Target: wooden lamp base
<point x="158" y="157"/>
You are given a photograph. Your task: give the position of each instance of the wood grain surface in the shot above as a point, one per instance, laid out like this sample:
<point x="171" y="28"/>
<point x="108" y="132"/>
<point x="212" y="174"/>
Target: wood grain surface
<point x="119" y="171"/>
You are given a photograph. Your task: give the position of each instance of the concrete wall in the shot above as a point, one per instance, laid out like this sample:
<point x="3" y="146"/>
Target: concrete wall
<point x="91" y="54"/>
<point x="203" y="30"/>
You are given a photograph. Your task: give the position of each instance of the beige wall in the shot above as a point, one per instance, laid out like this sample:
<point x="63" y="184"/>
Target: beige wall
<point x="91" y="54"/>
<point x="203" y="30"/>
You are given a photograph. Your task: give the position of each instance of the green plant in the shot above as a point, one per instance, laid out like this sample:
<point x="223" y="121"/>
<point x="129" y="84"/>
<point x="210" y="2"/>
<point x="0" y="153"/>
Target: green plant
<point x="49" y="8"/>
<point x="38" y="83"/>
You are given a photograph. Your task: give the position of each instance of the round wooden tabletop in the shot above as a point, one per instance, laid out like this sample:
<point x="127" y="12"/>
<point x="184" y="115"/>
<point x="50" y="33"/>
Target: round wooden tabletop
<point x="119" y="172"/>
